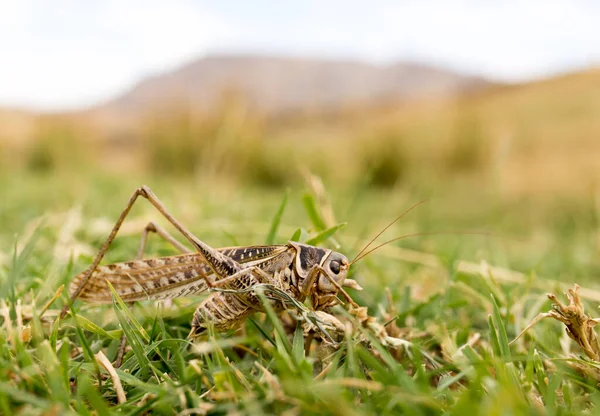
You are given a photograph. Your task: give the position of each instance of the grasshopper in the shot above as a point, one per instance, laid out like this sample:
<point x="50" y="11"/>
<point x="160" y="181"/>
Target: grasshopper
<point x="300" y="270"/>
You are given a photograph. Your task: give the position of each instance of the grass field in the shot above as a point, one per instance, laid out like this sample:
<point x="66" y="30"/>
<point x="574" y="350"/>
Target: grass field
<point x="448" y="319"/>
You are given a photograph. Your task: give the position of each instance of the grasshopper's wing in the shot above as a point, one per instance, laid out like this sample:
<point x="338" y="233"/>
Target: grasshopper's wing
<point x="159" y="278"/>
<point x="163" y="277"/>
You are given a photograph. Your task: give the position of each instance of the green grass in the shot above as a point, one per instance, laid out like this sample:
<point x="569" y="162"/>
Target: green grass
<point x="446" y="346"/>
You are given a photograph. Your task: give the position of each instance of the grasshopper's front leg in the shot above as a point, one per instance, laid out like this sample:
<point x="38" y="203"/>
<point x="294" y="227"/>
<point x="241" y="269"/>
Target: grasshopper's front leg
<point x="306" y="286"/>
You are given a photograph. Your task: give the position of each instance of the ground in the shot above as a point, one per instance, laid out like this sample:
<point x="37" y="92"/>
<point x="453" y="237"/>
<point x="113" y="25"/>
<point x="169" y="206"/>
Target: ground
<point x="441" y="308"/>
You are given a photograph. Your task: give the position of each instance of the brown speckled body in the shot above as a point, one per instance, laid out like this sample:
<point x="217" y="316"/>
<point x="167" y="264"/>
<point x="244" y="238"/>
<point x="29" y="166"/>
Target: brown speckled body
<point x="184" y="275"/>
<point x="227" y="310"/>
<point x="299" y="270"/>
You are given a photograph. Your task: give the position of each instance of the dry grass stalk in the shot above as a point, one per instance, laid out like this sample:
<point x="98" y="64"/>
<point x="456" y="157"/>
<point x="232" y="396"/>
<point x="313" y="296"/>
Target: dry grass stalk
<point x="105" y="362"/>
<point x="579" y="326"/>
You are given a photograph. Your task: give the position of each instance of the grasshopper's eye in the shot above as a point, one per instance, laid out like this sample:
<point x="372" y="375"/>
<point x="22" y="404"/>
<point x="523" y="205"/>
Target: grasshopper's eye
<point x="334" y="266"/>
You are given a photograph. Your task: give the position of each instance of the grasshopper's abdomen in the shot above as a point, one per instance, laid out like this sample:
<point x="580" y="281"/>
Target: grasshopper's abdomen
<point x="222" y="311"/>
<point x="225" y="310"/>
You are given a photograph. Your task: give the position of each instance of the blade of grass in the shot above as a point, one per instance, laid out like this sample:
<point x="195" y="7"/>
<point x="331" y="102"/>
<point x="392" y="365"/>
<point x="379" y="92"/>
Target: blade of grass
<point x="263" y="332"/>
<point x="494" y="337"/>
<point x="89" y="393"/>
<point x="310" y="205"/>
<point x="540" y="373"/>
<point x="59" y="391"/>
<point x="272" y="235"/>
<point x="298" y="344"/>
<point x="19" y="260"/>
<point x="95" y="329"/>
<point x="23" y="396"/>
<point x="87" y="350"/>
<point x="502" y="337"/>
<point x="300" y="235"/>
<point x="275" y="321"/>
<point x="127" y="312"/>
<point x="325" y="234"/>
<point x="133" y="338"/>
<point x="54" y="333"/>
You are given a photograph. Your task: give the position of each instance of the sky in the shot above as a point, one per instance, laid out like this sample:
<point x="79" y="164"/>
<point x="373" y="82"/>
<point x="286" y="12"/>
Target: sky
<point x="67" y="54"/>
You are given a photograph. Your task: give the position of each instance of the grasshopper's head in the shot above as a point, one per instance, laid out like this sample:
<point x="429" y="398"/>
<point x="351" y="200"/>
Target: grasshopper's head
<point x="331" y="273"/>
<point x="333" y="269"/>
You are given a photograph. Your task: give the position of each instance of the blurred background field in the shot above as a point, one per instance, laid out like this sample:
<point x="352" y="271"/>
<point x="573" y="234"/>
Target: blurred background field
<point x="534" y="139"/>
<point x="508" y="163"/>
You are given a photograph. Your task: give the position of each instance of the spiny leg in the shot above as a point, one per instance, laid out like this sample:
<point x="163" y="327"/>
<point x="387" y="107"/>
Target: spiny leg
<point x="102" y="252"/>
<point x="219" y="263"/>
<point x="164" y="234"/>
<point x="340" y="289"/>
<point x="313" y="274"/>
<point x="311" y="278"/>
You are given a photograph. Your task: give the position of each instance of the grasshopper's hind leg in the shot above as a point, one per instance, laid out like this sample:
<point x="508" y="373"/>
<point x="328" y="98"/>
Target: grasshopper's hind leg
<point x="164" y="234"/>
<point x="220" y="264"/>
<point x="144" y="192"/>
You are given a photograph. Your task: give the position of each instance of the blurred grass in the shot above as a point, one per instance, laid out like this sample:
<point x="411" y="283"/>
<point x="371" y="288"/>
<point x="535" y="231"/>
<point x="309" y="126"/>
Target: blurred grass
<point x="488" y="163"/>
<point x="537" y="138"/>
<point x="439" y="309"/>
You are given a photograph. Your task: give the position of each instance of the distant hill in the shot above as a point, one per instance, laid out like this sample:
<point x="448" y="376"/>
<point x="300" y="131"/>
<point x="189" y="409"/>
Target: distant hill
<point x="275" y="84"/>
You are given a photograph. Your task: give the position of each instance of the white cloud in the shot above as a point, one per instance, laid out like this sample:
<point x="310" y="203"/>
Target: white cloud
<point x="505" y="39"/>
<point x="510" y="39"/>
<point x="68" y="53"/>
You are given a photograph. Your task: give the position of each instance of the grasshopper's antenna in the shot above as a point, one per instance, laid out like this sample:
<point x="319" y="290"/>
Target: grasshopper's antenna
<point x="357" y="258"/>
<point x="382" y="231"/>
